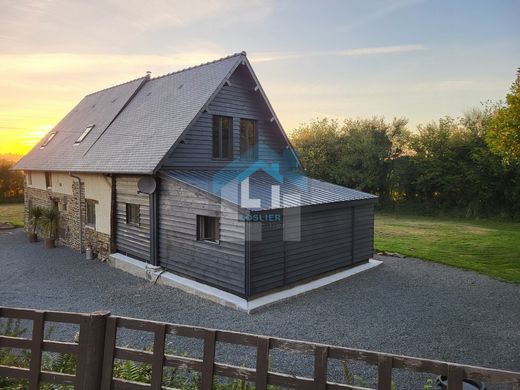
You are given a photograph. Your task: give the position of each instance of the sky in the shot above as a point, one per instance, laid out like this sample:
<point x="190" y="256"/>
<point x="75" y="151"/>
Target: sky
<point x="339" y="59"/>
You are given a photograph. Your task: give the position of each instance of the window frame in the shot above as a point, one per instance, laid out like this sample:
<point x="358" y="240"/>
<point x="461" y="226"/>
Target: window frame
<point x="29" y="178"/>
<point x="90" y="211"/>
<point x="129" y="206"/>
<point x="48" y="139"/>
<point x="251" y="154"/>
<point x="84" y="135"/>
<point x="202" y="221"/>
<point x="220" y="155"/>
<point x="48" y="179"/>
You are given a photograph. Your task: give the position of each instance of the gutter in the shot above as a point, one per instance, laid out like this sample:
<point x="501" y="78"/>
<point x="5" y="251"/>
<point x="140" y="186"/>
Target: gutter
<point x="80" y="216"/>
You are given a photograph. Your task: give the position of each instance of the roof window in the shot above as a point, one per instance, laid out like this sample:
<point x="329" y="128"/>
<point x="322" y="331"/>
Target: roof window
<point x="49" y="139"/>
<point x="84" y="134"/>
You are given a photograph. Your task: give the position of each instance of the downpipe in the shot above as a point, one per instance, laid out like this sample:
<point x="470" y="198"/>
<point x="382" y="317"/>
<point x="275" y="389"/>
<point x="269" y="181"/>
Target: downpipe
<point x="80" y="213"/>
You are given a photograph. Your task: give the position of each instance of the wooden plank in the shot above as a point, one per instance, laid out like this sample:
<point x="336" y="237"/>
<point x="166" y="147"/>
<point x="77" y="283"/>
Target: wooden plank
<point x="109" y="351"/>
<point x="121" y="384"/>
<point x="133" y="354"/>
<point x="14" y="372"/>
<point x="58" y="378"/>
<point x="491" y="375"/>
<point x="235" y="372"/>
<point x="384" y="373"/>
<point x="91" y="344"/>
<point x="320" y="367"/>
<point x="36" y="350"/>
<point x="15" y="342"/>
<point x="185" y="362"/>
<point x="158" y="357"/>
<point x="455" y="377"/>
<point x="208" y="360"/>
<point x="60" y="347"/>
<point x="262" y="363"/>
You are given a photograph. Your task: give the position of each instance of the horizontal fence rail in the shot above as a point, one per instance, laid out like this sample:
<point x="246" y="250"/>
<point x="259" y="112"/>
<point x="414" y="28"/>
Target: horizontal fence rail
<point x="96" y="351"/>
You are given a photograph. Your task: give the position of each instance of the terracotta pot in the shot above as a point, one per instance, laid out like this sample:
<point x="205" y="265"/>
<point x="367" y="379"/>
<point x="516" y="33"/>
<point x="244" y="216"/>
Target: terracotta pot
<point x="33" y="237"/>
<point x="48" y="243"/>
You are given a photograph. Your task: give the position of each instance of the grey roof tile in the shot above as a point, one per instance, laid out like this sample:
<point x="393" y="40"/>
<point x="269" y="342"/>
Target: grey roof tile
<point x="143" y="132"/>
<point x="296" y="189"/>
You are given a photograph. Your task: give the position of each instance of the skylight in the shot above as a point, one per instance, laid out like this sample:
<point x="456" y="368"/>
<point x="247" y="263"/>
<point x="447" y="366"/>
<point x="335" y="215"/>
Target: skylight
<point x="49" y="139"/>
<point x="84" y="134"/>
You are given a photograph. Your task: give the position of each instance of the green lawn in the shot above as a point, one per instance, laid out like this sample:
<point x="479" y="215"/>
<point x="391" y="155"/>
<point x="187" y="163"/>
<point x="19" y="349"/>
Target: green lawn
<point x="12" y="213"/>
<point x="491" y="248"/>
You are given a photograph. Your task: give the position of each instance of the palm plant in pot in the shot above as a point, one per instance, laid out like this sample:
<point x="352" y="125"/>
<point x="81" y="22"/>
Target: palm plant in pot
<point x="50" y="226"/>
<point x="35" y="216"/>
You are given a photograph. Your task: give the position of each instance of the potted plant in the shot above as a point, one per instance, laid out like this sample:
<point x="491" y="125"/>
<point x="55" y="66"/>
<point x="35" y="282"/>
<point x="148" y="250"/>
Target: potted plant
<point x="50" y="226"/>
<point x="35" y="215"/>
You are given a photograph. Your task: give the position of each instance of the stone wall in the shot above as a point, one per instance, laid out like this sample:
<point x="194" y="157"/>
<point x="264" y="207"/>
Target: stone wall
<point x="69" y="223"/>
<point x="100" y="243"/>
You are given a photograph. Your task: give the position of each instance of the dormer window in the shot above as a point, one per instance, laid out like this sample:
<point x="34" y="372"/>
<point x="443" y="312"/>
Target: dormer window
<point x="49" y="139"/>
<point x="84" y="134"/>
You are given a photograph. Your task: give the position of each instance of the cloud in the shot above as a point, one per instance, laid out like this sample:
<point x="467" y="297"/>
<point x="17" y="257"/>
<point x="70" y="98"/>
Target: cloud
<point x="131" y="26"/>
<point x="358" y="52"/>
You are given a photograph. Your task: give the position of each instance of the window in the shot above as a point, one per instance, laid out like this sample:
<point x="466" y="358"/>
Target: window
<point x="222" y="130"/>
<point x="247" y="139"/>
<point x="207" y="228"/>
<point x="29" y="178"/>
<point x="49" y="139"/>
<point x="84" y="134"/>
<point x="91" y="213"/>
<point x="133" y="214"/>
<point x="48" y="179"/>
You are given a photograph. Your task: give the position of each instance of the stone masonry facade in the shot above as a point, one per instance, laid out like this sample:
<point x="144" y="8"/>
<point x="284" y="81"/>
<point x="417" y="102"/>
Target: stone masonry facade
<point x="69" y="223"/>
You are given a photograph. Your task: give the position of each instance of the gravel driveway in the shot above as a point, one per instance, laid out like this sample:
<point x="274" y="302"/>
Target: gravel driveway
<point x="404" y="306"/>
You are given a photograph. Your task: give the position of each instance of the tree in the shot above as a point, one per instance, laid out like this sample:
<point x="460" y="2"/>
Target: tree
<point x="503" y="135"/>
<point x="11" y="183"/>
<point x="356" y="153"/>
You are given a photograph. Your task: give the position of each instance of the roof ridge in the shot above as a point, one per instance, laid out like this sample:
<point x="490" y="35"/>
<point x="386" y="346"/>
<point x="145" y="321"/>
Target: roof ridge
<point x="118" y="85"/>
<point x="242" y="53"/>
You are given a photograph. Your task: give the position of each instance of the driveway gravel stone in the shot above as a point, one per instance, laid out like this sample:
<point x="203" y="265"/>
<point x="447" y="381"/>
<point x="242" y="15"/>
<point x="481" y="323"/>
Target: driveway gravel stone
<point x="404" y="306"/>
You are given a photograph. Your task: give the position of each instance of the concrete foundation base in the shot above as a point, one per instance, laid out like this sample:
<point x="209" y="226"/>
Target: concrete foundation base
<point x="160" y="276"/>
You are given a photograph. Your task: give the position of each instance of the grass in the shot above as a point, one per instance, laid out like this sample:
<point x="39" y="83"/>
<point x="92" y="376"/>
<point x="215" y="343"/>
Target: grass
<point x="488" y="247"/>
<point x="12" y="213"/>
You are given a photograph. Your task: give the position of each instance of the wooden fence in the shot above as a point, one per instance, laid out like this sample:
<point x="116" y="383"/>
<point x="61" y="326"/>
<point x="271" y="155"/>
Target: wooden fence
<point x="96" y="350"/>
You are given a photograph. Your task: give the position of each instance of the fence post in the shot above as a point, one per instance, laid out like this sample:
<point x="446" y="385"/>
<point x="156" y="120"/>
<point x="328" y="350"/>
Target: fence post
<point x="91" y="348"/>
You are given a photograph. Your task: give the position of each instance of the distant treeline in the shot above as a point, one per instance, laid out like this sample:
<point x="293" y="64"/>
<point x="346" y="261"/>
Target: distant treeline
<point x="468" y="166"/>
<point x="11" y="183"/>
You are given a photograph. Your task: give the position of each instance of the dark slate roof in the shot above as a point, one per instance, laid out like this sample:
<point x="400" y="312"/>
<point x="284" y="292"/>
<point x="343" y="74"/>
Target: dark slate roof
<point x="98" y="109"/>
<point x="296" y="189"/>
<point x="136" y="123"/>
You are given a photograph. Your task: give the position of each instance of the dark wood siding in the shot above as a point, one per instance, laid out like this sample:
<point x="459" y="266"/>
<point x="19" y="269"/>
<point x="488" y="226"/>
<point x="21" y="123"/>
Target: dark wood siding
<point x="325" y="245"/>
<point x="132" y="240"/>
<point x="221" y="265"/>
<point x="237" y="100"/>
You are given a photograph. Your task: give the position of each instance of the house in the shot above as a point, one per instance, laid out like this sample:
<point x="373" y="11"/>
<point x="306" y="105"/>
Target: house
<point x="192" y="171"/>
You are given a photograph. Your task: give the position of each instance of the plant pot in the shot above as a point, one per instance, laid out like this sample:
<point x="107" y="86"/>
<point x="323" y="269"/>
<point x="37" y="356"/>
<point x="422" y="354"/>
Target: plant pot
<point x="33" y="237"/>
<point x="48" y="243"/>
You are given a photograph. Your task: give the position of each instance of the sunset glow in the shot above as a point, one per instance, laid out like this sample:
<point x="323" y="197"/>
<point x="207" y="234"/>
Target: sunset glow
<point x="53" y="53"/>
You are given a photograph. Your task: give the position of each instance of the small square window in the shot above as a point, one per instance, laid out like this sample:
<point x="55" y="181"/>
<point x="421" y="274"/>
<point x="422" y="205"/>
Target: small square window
<point x="91" y="213"/>
<point x="48" y="179"/>
<point x="133" y="214"/>
<point x="208" y="228"/>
